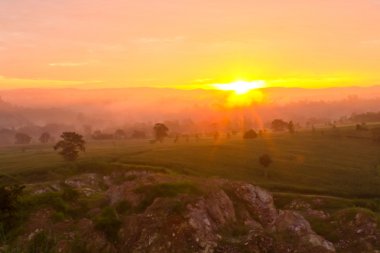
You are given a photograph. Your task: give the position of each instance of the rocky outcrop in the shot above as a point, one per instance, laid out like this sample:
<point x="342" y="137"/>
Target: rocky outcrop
<point x="296" y="227"/>
<point x="258" y="201"/>
<point x="221" y="216"/>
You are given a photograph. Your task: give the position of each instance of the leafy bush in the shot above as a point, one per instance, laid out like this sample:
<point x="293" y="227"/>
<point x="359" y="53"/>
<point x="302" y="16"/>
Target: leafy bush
<point x="109" y="223"/>
<point x="69" y="194"/>
<point x="9" y="204"/>
<point x="250" y="134"/>
<point x="51" y="199"/>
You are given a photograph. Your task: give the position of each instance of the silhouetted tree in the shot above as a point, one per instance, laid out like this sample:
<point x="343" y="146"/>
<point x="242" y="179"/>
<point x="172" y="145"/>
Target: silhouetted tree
<point x="70" y="145"/>
<point x="22" y="138"/>
<point x="250" y="134"/>
<point x="45" y="138"/>
<point x="265" y="161"/>
<point x="279" y="125"/>
<point x="160" y="131"/>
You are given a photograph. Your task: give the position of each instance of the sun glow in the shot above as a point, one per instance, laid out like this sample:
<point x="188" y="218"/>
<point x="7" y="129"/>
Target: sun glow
<point x="243" y="93"/>
<point x="241" y="87"/>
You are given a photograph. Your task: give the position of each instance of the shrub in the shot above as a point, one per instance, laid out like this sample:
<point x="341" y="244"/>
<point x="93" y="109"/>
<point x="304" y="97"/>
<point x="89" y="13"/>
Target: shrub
<point x="251" y="134"/>
<point x="108" y="222"/>
<point x="69" y="194"/>
<point x="51" y="199"/>
<point x="9" y="204"/>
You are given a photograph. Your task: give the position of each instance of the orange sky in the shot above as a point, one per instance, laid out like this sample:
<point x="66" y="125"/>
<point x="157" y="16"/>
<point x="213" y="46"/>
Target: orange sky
<point x="188" y="43"/>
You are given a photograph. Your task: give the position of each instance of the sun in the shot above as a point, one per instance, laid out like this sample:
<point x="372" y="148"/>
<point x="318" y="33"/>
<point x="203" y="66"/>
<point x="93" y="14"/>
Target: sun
<point x="241" y="87"/>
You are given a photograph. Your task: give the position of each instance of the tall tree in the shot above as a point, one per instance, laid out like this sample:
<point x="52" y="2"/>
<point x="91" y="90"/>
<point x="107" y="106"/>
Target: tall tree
<point x="160" y="131"/>
<point x="265" y="160"/>
<point x="291" y="127"/>
<point x="279" y="125"/>
<point x="70" y="146"/>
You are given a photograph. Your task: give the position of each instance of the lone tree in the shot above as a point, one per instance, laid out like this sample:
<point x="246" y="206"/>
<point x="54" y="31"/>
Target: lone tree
<point x="70" y="145"/>
<point x="291" y="127"/>
<point x="160" y="131"/>
<point x="45" y="138"/>
<point x="250" y="134"/>
<point x="22" y="138"/>
<point x="279" y="125"/>
<point x="265" y="160"/>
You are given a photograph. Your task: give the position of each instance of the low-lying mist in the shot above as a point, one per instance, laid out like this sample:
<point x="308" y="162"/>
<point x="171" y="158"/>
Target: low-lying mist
<point x="185" y="111"/>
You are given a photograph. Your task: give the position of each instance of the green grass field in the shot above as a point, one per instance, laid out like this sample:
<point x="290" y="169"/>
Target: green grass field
<point x="303" y="163"/>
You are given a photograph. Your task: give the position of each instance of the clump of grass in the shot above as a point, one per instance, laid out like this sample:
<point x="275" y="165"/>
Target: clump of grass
<point x="324" y="228"/>
<point x="48" y="199"/>
<point x="165" y="190"/>
<point x="65" y="203"/>
<point x="372" y="204"/>
<point x="41" y="243"/>
<point x="109" y="223"/>
<point x="349" y="214"/>
<point x="58" y="216"/>
<point x="69" y="194"/>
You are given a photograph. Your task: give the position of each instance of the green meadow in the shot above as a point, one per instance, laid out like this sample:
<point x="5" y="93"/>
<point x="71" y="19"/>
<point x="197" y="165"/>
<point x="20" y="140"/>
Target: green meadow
<point x="303" y="163"/>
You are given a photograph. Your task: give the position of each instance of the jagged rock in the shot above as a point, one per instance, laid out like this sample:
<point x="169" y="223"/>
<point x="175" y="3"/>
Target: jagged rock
<point x="88" y="184"/>
<point x="208" y="215"/>
<point x="258" y="201"/>
<point x="358" y="233"/>
<point x="200" y="223"/>
<point x="307" y="209"/>
<point x="296" y="226"/>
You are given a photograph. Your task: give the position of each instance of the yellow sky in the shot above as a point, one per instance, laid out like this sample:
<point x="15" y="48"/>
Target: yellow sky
<point x="189" y="43"/>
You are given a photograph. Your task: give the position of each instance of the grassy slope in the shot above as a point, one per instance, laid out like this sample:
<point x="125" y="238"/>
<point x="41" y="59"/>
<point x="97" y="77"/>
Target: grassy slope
<point x="303" y="163"/>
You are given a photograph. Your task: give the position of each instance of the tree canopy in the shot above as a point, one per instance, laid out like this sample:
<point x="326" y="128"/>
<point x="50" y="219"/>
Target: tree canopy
<point x="70" y="145"/>
<point x="160" y="131"/>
